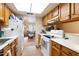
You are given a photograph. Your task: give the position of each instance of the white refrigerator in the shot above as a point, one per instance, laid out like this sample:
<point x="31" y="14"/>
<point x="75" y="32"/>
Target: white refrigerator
<point x="18" y="29"/>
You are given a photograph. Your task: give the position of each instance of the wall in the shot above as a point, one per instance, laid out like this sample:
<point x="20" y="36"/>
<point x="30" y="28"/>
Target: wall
<point x="72" y="27"/>
<point x="39" y="27"/>
<point x="32" y="22"/>
<point x="25" y="22"/>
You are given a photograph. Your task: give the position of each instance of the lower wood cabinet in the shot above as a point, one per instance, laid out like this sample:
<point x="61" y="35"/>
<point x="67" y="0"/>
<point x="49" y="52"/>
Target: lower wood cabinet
<point x="10" y="49"/>
<point x="13" y="50"/>
<point x="55" y="49"/>
<point x="55" y="52"/>
<point x="59" y="50"/>
<point x="68" y="52"/>
<point x="13" y="47"/>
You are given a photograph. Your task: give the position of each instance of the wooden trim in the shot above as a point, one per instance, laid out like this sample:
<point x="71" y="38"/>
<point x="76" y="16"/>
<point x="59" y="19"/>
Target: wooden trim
<point x="70" y="11"/>
<point x="74" y="7"/>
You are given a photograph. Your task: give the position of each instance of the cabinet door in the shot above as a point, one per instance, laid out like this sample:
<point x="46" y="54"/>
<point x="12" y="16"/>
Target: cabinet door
<point x="49" y="16"/>
<point x="7" y="14"/>
<point x="55" y="12"/>
<point x="64" y="11"/>
<point x="45" y="20"/>
<point x="75" y="10"/>
<point x="63" y="54"/>
<point x="55" y="51"/>
<point x="1" y="12"/>
<point x="68" y="52"/>
<point x="13" y="49"/>
<point x="5" y="50"/>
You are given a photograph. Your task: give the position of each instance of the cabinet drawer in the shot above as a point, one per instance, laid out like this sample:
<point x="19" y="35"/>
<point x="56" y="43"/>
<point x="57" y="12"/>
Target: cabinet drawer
<point x="69" y="52"/>
<point x="56" y="44"/>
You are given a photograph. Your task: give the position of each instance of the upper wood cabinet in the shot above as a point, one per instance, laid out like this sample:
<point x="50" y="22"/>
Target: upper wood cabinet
<point x="55" y="12"/>
<point x="45" y="20"/>
<point x="64" y="11"/>
<point x="1" y="12"/>
<point x="75" y="11"/>
<point x="6" y="16"/>
<point x="49" y="15"/>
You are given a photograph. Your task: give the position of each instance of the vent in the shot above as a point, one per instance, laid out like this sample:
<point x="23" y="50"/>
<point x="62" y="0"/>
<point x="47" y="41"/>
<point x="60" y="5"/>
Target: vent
<point x="30" y="13"/>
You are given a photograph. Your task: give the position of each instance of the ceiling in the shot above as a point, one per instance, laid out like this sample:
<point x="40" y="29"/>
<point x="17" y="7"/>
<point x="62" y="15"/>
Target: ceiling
<point x="45" y="10"/>
<point x="36" y="8"/>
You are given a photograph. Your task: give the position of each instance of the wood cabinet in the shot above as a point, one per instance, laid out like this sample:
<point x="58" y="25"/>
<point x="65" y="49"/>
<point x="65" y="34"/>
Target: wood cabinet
<point x="67" y="12"/>
<point x="4" y="14"/>
<point x="75" y="11"/>
<point x="49" y="15"/>
<point x="60" y="50"/>
<point x="12" y="48"/>
<point x="1" y="12"/>
<point x="45" y="20"/>
<point x="68" y="52"/>
<point x="6" y="50"/>
<point x="7" y="14"/>
<point x="55" y="12"/>
<point x="55" y="49"/>
<point x="64" y="12"/>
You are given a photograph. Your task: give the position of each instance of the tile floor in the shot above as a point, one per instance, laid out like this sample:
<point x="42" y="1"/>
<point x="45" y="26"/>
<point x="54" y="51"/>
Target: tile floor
<point x="30" y="49"/>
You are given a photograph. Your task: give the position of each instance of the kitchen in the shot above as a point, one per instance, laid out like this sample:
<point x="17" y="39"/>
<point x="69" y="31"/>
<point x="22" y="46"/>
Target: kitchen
<point x="54" y="31"/>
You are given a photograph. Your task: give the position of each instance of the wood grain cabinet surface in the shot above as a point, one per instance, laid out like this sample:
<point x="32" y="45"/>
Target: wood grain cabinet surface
<point x="1" y="12"/>
<point x="45" y="20"/>
<point x="60" y="50"/>
<point x="6" y="16"/>
<point x="12" y="47"/>
<point x="55" y="12"/>
<point x="64" y="12"/>
<point x="75" y="11"/>
<point x="55" y="49"/>
<point x="4" y="13"/>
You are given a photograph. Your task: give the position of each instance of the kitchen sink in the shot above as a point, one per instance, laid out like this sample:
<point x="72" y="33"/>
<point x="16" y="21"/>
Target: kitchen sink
<point x="2" y="41"/>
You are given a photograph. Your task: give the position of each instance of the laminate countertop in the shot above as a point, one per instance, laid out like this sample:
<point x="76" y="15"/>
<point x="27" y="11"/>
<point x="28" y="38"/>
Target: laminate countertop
<point x="10" y="40"/>
<point x="72" y="42"/>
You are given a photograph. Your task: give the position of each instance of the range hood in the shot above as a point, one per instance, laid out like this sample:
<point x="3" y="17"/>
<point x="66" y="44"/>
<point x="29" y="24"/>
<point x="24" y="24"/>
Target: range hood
<point x="53" y="20"/>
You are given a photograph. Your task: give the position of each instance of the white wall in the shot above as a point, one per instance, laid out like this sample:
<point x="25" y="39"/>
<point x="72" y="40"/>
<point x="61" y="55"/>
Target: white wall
<point x="38" y="28"/>
<point x="25" y="22"/>
<point x="32" y="22"/>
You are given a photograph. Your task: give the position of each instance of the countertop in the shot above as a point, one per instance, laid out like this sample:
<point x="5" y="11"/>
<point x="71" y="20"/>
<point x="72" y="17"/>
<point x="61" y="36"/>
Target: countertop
<point x="12" y="38"/>
<point x="72" y="44"/>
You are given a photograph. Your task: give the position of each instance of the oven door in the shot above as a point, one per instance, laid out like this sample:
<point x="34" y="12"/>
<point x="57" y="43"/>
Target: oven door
<point x="44" y="44"/>
<point x="45" y="47"/>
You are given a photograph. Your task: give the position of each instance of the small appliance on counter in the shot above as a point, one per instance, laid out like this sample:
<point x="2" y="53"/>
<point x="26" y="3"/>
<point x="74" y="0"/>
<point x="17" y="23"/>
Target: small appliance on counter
<point x="57" y="33"/>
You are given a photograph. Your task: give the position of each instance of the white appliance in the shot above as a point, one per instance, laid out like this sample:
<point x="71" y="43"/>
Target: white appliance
<point x="45" y="46"/>
<point x="15" y="27"/>
<point x="57" y="33"/>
